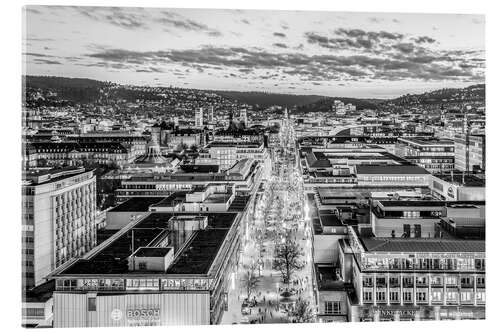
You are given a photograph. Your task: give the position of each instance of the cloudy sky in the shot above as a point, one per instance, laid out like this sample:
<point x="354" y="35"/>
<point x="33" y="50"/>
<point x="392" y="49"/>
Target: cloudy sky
<point x="373" y="55"/>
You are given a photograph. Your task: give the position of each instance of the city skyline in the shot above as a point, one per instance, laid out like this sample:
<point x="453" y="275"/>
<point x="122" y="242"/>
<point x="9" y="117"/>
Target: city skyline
<point x="371" y="55"/>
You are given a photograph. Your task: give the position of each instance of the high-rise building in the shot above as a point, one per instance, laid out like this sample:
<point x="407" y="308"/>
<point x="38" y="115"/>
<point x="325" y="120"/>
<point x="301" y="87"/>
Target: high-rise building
<point x="470" y="149"/>
<point x="211" y="114"/>
<point x="243" y="116"/>
<point x="58" y="224"/>
<point x="198" y="118"/>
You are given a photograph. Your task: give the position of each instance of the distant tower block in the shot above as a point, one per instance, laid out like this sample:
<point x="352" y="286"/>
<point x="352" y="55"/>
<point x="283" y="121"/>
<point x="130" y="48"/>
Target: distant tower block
<point x="286" y="113"/>
<point x="211" y="114"/>
<point x="243" y="116"/>
<point x="198" y="118"/>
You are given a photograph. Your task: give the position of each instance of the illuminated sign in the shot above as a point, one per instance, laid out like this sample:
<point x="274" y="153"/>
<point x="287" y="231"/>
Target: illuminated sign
<point x="116" y="314"/>
<point x="143" y="317"/>
<point x="451" y="192"/>
<point x="401" y="313"/>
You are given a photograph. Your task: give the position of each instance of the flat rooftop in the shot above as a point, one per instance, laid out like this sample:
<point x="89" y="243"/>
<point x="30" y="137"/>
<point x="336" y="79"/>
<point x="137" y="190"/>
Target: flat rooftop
<point x="412" y="203"/>
<point x="199" y="168"/>
<point x="422" y="245"/>
<point x="152" y="251"/>
<point x="391" y="169"/>
<point x="196" y="257"/>
<point x="328" y="219"/>
<point x="466" y="180"/>
<point x="137" y="204"/>
<point x="429" y="141"/>
<point x="49" y="175"/>
<point x="234" y="144"/>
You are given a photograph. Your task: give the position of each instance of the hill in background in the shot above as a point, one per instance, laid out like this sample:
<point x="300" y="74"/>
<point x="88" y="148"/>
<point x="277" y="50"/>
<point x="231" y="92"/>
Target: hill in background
<point x="80" y="90"/>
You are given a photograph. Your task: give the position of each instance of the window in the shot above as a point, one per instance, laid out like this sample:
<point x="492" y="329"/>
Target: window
<point x="466" y="296"/>
<point x="394" y="281"/>
<point x="436" y="280"/>
<point x="451" y="296"/>
<point x="380" y="296"/>
<point x="479" y="264"/>
<point x="480" y="282"/>
<point x="394" y="296"/>
<point x="367" y="282"/>
<point x="332" y="307"/>
<point x="481" y="296"/>
<point x="451" y="280"/>
<point x="437" y="296"/>
<point x="407" y="296"/>
<point x="421" y="296"/>
<point x="367" y="296"/>
<point x="466" y="281"/>
<point x="91" y="306"/>
<point x="421" y="280"/>
<point x="143" y="266"/>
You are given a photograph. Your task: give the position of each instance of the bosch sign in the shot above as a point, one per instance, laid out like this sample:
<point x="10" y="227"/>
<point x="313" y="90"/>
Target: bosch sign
<point x="143" y="313"/>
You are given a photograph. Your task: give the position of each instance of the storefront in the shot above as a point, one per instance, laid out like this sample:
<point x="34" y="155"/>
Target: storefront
<point x="417" y="313"/>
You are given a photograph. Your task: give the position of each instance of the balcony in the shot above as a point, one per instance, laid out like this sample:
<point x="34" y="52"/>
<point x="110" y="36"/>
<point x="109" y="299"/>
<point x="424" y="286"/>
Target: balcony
<point x="408" y="284"/>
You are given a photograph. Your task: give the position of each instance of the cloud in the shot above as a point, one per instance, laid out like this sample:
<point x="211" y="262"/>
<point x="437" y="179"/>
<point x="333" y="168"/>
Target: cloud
<point x="170" y="19"/>
<point x="46" y="62"/>
<point x="279" y="34"/>
<point x="149" y="70"/>
<point x="405" y="47"/>
<point x="424" y="39"/>
<point x="408" y="64"/>
<point x="280" y="45"/>
<point x="354" y="39"/>
<point x="120" y="17"/>
<point x="140" y="18"/>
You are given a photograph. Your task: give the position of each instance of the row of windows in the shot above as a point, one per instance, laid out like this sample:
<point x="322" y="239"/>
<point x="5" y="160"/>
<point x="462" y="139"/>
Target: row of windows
<point x="450" y="280"/>
<point x="423" y="296"/>
<point x="120" y="284"/>
<point x="423" y="263"/>
<point x="33" y="312"/>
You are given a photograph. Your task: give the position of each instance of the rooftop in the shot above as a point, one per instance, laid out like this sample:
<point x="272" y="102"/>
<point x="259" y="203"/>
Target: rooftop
<point x="412" y="203"/>
<point x="40" y="293"/>
<point x="329" y="220"/>
<point x="422" y="245"/>
<point x="137" y="204"/>
<point x="463" y="179"/>
<point x="152" y="251"/>
<point x="46" y="175"/>
<point x="195" y="257"/>
<point x="391" y="169"/>
<point x="199" y="168"/>
<point x="215" y="144"/>
<point x="428" y="141"/>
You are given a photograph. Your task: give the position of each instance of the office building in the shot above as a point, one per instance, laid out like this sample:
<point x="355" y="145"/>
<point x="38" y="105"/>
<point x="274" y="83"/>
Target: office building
<point x="470" y="152"/>
<point x="162" y="269"/>
<point x="414" y="279"/>
<point x="434" y="155"/>
<point x="198" y="118"/>
<point x="59" y="207"/>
